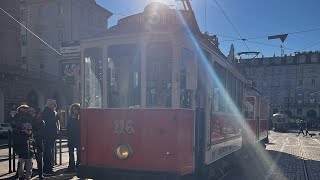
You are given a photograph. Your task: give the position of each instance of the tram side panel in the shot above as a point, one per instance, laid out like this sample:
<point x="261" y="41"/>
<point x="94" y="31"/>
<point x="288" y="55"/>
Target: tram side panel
<point x="250" y="135"/>
<point x="263" y="129"/>
<point x="161" y="140"/>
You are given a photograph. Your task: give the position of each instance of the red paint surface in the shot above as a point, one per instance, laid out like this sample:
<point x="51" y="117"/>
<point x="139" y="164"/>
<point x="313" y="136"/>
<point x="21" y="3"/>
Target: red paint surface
<point x="157" y="131"/>
<point x="250" y="136"/>
<point x="224" y="126"/>
<point x="263" y="129"/>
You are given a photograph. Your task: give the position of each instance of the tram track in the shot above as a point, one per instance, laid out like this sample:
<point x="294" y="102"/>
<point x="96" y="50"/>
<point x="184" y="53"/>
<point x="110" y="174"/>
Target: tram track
<point x="304" y="159"/>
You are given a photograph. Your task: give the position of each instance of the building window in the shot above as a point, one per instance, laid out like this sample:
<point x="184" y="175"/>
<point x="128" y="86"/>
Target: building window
<point x="313" y="82"/>
<point x="23" y="40"/>
<point x="299" y="111"/>
<point x="265" y="84"/>
<point x="300" y="98"/>
<point x="60" y="35"/>
<point x="301" y="69"/>
<point x="23" y="60"/>
<point x="275" y="111"/>
<point x="311" y="100"/>
<point x="40" y="11"/>
<point x="286" y="100"/>
<point x="23" y="14"/>
<point x="60" y="8"/>
<point x="82" y="12"/>
<point x="300" y="82"/>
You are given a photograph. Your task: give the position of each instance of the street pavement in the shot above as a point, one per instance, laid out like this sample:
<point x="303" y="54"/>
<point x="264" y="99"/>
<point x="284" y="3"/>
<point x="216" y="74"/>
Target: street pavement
<point x="286" y="157"/>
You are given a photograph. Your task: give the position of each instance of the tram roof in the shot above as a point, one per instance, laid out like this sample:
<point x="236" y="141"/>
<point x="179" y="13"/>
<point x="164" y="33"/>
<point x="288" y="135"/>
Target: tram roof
<point x="158" y="17"/>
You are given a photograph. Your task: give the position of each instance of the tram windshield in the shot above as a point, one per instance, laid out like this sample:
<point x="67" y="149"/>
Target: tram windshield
<point x="116" y="81"/>
<point x="123" y="76"/>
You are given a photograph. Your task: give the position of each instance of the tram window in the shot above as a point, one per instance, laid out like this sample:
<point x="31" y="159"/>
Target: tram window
<point x="124" y="76"/>
<point x="219" y="87"/>
<point x="158" y="75"/>
<point x="93" y="77"/>
<point x="187" y="78"/>
<point x="250" y="107"/>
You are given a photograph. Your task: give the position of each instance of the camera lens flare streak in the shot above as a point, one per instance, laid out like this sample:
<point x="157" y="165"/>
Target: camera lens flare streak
<point x="215" y="80"/>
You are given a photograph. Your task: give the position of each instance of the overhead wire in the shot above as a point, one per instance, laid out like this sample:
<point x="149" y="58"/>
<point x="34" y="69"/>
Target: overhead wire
<point x="294" y="32"/>
<point x="30" y="31"/>
<point x="311" y="46"/>
<point x="232" y="25"/>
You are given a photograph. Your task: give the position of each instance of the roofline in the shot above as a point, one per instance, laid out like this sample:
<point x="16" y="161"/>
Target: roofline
<point x="102" y="8"/>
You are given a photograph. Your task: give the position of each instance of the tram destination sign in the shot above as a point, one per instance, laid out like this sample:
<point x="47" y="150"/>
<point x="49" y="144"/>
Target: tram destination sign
<point x="70" y="50"/>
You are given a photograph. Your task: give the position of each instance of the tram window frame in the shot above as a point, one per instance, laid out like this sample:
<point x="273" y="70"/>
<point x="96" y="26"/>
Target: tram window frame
<point x="250" y="112"/>
<point x="220" y="92"/>
<point x="159" y="55"/>
<point x="118" y="56"/>
<point x="93" y="57"/>
<point x="186" y="75"/>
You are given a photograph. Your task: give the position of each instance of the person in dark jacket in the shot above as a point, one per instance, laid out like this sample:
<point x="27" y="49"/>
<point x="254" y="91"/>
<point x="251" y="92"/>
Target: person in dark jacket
<point x="22" y="116"/>
<point x="51" y="119"/>
<point x="25" y="150"/>
<point x="38" y="133"/>
<point x="73" y="134"/>
<point x="301" y="128"/>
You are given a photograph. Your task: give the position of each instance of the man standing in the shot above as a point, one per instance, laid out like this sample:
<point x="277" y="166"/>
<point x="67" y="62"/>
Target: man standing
<point x="52" y="127"/>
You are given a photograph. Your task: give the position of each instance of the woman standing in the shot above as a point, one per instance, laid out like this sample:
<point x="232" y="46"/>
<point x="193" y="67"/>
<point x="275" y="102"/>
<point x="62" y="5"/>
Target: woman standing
<point x="73" y="133"/>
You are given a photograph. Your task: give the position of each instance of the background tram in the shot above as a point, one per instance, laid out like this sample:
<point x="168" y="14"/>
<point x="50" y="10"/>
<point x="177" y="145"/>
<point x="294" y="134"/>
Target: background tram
<point x="257" y="117"/>
<point x="160" y="100"/>
<point x="280" y="122"/>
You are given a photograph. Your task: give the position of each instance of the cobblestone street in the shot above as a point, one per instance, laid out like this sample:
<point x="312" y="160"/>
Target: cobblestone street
<point x="285" y="157"/>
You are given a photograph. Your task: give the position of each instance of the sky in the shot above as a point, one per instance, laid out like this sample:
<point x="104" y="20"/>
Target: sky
<point x="251" y="18"/>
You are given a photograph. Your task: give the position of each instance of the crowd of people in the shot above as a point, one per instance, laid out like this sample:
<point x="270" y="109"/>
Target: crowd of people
<point x="34" y="136"/>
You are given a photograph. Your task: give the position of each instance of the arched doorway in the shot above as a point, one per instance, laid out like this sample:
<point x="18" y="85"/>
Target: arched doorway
<point x="1" y="106"/>
<point x="33" y="99"/>
<point x="312" y="114"/>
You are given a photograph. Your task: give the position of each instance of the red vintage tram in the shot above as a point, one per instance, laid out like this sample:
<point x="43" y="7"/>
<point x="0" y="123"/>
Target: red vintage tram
<point x="257" y="117"/>
<point x="160" y="98"/>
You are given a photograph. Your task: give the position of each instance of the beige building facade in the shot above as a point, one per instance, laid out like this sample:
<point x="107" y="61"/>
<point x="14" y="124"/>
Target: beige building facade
<point x="291" y="83"/>
<point x="30" y="71"/>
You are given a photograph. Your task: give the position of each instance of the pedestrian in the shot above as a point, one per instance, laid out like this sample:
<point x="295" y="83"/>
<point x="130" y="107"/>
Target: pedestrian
<point x="73" y="135"/>
<point x="307" y="131"/>
<point x="22" y="116"/>
<point x="301" y="128"/>
<point x="39" y="133"/>
<point x="25" y="150"/>
<point x="52" y="125"/>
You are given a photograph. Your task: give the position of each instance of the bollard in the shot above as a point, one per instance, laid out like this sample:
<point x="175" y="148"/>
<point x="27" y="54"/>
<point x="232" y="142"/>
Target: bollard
<point x="60" y="153"/>
<point x="10" y="150"/>
<point x="14" y="153"/>
<point x="55" y="153"/>
<point x="14" y="161"/>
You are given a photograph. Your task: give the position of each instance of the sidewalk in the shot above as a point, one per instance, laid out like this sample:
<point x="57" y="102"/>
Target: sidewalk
<point x="4" y="166"/>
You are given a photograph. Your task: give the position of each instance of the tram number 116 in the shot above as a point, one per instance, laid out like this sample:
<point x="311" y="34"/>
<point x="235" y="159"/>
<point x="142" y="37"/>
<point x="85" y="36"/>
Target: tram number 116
<point x="123" y="127"/>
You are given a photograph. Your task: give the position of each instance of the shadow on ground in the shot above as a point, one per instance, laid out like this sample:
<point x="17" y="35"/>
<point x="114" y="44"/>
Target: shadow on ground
<point x="259" y="165"/>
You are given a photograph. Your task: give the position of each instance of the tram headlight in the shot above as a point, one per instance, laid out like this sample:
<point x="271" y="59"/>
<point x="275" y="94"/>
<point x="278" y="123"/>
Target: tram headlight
<point x="122" y="151"/>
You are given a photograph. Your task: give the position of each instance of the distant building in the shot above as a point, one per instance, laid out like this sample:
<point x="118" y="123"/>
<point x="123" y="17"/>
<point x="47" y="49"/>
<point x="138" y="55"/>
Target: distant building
<point x="30" y="71"/>
<point x="9" y="46"/>
<point x="291" y="83"/>
<point x="59" y="22"/>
